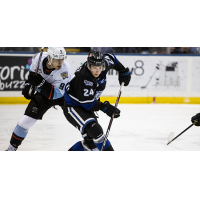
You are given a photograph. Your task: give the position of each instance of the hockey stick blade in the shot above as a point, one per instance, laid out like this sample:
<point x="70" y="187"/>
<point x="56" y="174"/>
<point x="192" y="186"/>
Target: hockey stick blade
<point x="157" y="68"/>
<point x="170" y="137"/>
<point x="180" y="133"/>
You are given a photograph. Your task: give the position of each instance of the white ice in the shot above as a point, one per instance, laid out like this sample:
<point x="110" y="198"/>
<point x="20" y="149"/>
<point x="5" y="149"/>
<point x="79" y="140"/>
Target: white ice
<point x="141" y="127"/>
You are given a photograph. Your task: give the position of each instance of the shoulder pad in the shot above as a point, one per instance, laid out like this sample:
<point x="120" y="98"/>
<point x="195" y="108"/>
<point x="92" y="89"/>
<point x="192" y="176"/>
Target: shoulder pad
<point x="109" y="58"/>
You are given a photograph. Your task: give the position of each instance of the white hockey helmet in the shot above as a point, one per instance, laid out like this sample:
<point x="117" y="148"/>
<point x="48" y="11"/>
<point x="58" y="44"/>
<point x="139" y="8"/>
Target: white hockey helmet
<point x="56" y="53"/>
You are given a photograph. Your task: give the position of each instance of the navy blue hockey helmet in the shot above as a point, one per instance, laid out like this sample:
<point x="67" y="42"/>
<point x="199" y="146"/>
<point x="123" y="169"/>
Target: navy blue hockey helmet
<point x="95" y="58"/>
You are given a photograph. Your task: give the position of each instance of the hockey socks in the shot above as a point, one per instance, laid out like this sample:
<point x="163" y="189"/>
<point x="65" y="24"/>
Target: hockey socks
<point x="82" y="146"/>
<point x="108" y="146"/>
<point x="77" y="147"/>
<point x="15" y="140"/>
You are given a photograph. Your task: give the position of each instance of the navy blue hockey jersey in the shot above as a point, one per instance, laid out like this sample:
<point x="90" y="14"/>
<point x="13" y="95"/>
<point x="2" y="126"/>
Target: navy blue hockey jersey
<point x="85" y="90"/>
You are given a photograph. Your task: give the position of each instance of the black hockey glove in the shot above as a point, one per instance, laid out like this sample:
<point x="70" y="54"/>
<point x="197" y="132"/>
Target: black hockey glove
<point x="196" y="119"/>
<point x="107" y="108"/>
<point x="124" y="76"/>
<point x="25" y="91"/>
<point x="36" y="80"/>
<point x="46" y="88"/>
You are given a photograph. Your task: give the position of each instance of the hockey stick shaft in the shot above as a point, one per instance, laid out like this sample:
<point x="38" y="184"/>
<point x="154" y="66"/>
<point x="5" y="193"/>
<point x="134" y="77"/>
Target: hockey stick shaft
<point x="41" y="52"/>
<point x="149" y="79"/>
<point x="180" y="133"/>
<point x="111" y="120"/>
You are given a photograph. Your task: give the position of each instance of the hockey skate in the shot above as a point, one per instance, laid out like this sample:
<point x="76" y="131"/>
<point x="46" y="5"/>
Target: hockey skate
<point x="11" y="148"/>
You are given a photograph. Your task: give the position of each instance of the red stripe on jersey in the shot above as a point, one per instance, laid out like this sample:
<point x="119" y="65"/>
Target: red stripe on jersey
<point x="51" y="92"/>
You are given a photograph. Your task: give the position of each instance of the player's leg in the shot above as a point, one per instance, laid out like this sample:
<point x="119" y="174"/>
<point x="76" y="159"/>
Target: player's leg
<point x="95" y="131"/>
<point x="34" y="111"/>
<point x="85" y="145"/>
<point x="79" y="118"/>
<point x="93" y="139"/>
<point x="20" y="132"/>
<point x="85" y="121"/>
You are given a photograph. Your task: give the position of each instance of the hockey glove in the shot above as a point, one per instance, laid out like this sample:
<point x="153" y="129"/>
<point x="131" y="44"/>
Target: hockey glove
<point x="107" y="108"/>
<point x="124" y="76"/>
<point x="196" y="119"/>
<point x="46" y="88"/>
<point x="25" y="91"/>
<point x="36" y="80"/>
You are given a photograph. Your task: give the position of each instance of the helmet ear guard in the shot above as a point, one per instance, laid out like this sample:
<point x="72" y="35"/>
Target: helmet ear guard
<point x="95" y="58"/>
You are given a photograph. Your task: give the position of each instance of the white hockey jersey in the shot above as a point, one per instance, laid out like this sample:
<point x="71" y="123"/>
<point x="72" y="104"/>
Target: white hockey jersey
<point x="58" y="78"/>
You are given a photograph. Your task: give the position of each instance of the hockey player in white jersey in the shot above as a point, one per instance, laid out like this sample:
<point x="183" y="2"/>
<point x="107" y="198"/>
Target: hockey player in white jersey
<point x="52" y="76"/>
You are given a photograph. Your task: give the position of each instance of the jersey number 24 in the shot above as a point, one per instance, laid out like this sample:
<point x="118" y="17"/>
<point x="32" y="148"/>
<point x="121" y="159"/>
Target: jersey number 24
<point x="87" y="92"/>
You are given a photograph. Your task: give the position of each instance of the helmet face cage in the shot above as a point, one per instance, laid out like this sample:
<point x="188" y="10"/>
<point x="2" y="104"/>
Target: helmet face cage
<point x="56" y="53"/>
<point x="95" y="58"/>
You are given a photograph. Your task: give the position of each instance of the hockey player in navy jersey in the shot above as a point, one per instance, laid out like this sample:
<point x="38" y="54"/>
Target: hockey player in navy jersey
<point x="53" y="74"/>
<point x="82" y="97"/>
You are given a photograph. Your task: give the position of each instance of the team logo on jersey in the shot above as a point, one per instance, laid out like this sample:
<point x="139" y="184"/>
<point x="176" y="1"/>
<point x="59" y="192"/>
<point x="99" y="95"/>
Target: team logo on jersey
<point x="64" y="75"/>
<point x="88" y="83"/>
<point x="97" y="95"/>
<point x="102" y="81"/>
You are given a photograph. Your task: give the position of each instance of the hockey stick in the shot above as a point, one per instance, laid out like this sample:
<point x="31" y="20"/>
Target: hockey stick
<point x="111" y="120"/>
<point x="157" y="68"/>
<point x="31" y="88"/>
<point x="171" y="135"/>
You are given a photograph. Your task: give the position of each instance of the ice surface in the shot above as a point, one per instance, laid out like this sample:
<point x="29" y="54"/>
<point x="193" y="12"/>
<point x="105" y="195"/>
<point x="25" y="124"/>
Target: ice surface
<point x="141" y="127"/>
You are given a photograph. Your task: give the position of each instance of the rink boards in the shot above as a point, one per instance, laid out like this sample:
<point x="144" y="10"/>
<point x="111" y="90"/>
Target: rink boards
<point x="155" y="78"/>
<point x="124" y="100"/>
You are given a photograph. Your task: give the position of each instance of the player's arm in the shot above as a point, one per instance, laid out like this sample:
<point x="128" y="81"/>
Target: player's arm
<point x="50" y="91"/>
<point x="45" y="88"/>
<point x="113" y="62"/>
<point x="27" y="85"/>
